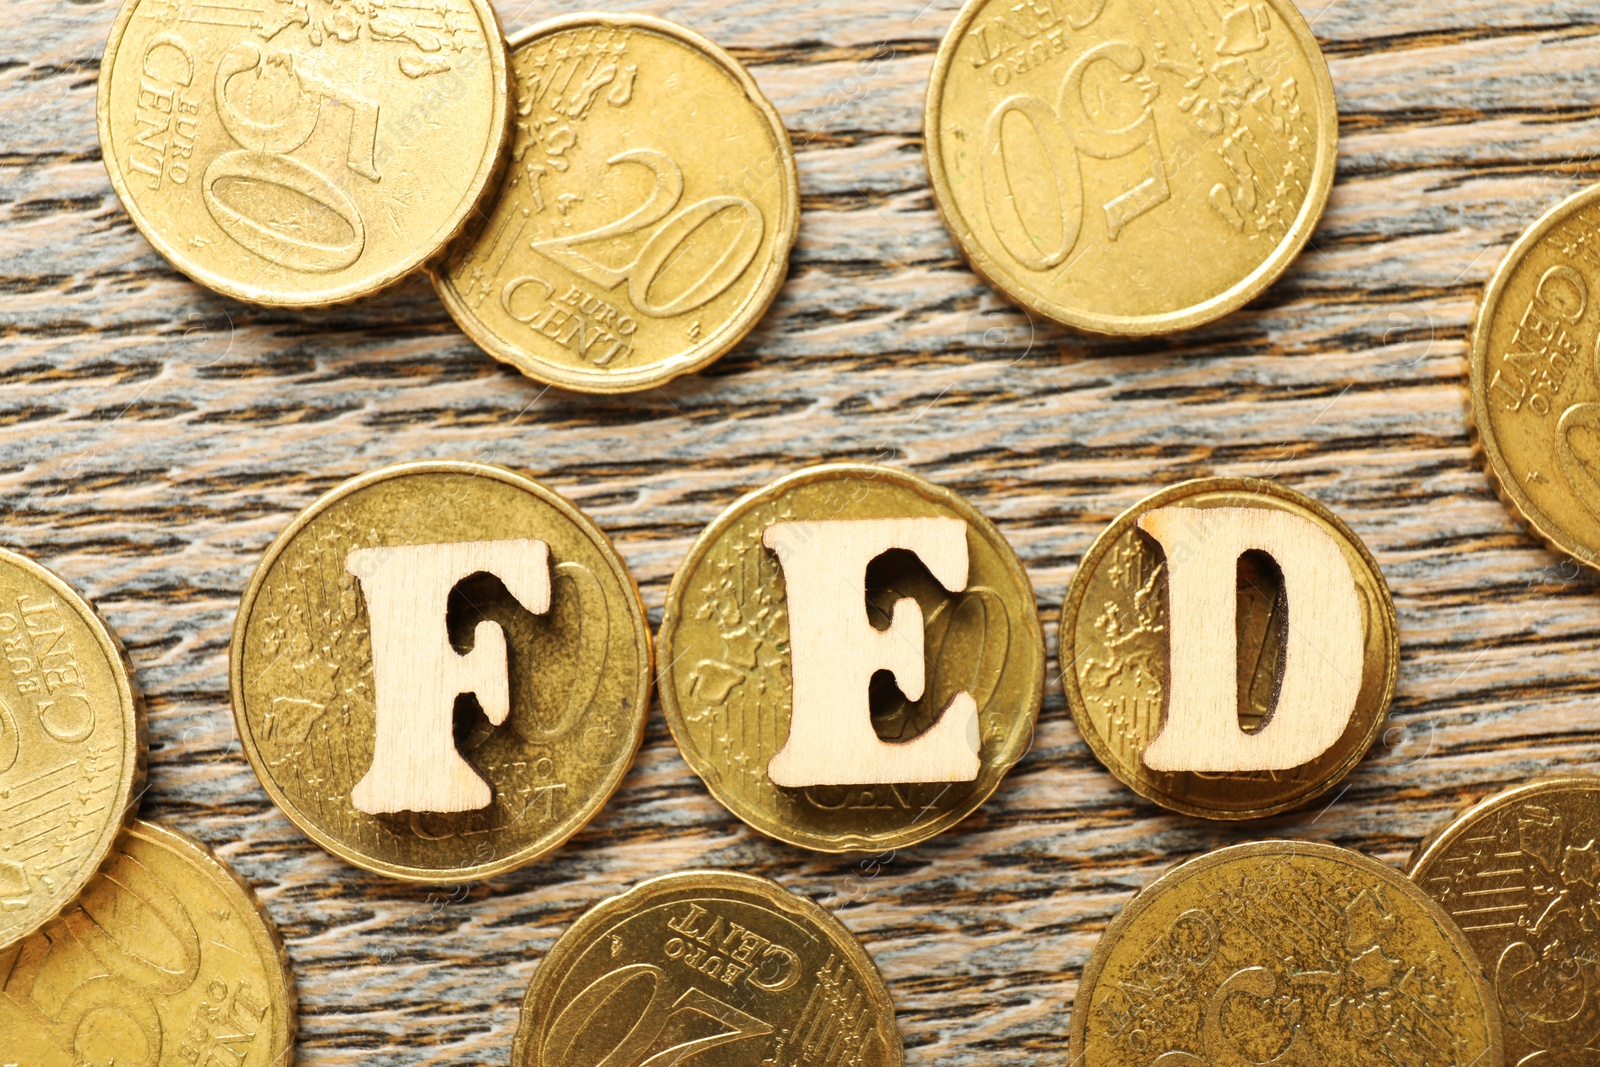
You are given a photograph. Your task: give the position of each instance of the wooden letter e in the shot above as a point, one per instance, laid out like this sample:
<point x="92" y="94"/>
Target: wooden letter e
<point x="834" y="651"/>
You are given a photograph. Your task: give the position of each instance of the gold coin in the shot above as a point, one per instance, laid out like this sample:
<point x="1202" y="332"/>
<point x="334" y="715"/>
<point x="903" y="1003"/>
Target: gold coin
<point x="646" y="219"/>
<point x="72" y="745"/>
<point x="1114" y="643"/>
<point x="1535" y="376"/>
<point x="167" y="959"/>
<point x="304" y="696"/>
<point x="727" y="969"/>
<point x="1520" y="874"/>
<point x="304" y="153"/>
<point x="1131" y="168"/>
<point x="1284" y="952"/>
<point x="725" y="686"/>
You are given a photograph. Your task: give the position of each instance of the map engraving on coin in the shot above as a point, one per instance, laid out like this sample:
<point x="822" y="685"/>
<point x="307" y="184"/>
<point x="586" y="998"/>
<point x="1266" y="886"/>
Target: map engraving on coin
<point x="1130" y="168"/>
<point x="728" y="676"/>
<point x="302" y="152"/>
<point x="72" y="745"/>
<point x="645" y="223"/>
<point x="1520" y="874"/>
<point x="1114" y="633"/>
<point x="726" y="969"/>
<point x="577" y="675"/>
<point x="1287" y="953"/>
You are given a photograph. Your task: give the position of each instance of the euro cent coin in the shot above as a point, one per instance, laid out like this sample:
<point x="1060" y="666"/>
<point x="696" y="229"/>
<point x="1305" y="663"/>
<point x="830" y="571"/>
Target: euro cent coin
<point x="579" y="674"/>
<point x="726" y="683"/>
<point x="1133" y="168"/>
<point x="1114" y="650"/>
<point x="645" y="223"/>
<point x="72" y="745"/>
<point x="168" y="958"/>
<point x="302" y="154"/>
<point x="1520" y="874"/>
<point x="729" y="969"/>
<point x="1284" y="952"/>
<point x="1535" y="378"/>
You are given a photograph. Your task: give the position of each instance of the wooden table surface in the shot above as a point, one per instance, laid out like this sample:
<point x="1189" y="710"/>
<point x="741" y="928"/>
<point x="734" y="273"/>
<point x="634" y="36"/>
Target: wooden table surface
<point x="154" y="438"/>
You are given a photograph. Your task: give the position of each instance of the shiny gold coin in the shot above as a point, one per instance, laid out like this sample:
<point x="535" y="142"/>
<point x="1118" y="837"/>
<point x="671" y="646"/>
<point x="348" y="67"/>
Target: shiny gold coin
<point x="1131" y="168"/>
<point x="1520" y="874"/>
<point x="726" y="683"/>
<point x="72" y="745"/>
<point x="1289" y="953"/>
<point x="304" y="693"/>
<point x="302" y="153"/>
<point x="727" y="969"/>
<point x="1535" y="377"/>
<point x="167" y="960"/>
<point x="1114" y="643"/>
<point x="646" y="220"/>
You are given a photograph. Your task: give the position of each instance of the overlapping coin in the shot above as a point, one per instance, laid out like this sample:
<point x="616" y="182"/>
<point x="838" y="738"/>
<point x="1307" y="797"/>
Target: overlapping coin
<point x="729" y="969"/>
<point x="1115" y="650"/>
<point x="1284" y="952"/>
<point x="167" y="958"/>
<point x="550" y="726"/>
<point x="302" y="153"/>
<point x="1131" y="168"/>
<point x="646" y="220"/>
<point x="1520" y="874"/>
<point x="727" y="649"/>
<point x="72" y="745"/>
<point x="1535" y="378"/>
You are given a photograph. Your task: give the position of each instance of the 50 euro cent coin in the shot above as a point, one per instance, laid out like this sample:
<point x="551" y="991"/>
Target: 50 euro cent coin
<point x="1535" y="378"/>
<point x="72" y="745"/>
<point x="302" y="154"/>
<point x="1519" y="872"/>
<point x="727" y="676"/>
<point x="1285" y="952"/>
<point x="1130" y="168"/>
<point x="168" y="958"/>
<point x="578" y="674"/>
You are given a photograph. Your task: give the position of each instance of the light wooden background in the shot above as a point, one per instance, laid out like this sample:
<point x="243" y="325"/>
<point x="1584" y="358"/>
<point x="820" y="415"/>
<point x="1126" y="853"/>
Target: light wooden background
<point x="154" y="438"/>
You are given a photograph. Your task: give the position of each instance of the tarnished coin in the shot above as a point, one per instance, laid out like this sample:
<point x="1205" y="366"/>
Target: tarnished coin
<point x="302" y="152"/>
<point x="1535" y="378"/>
<point x="726" y="683"/>
<point x="727" y="969"/>
<point x="1520" y="874"/>
<point x="167" y="959"/>
<point x="646" y="220"/>
<point x="1288" y="953"/>
<point x="1130" y="168"/>
<point x="578" y="673"/>
<point x="72" y="745"/>
<point x="1114" y="647"/>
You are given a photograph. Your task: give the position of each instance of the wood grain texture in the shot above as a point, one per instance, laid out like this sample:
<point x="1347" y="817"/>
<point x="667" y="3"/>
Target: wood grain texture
<point x="154" y="438"/>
